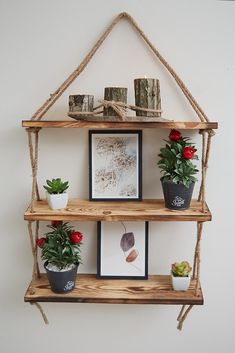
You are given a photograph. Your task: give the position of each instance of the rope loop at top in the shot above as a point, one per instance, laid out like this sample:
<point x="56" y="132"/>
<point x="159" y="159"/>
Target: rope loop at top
<point x="54" y="96"/>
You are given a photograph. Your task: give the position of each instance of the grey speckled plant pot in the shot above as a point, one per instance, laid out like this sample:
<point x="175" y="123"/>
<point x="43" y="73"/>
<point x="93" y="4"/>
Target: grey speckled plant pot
<point x="177" y="196"/>
<point x="62" y="282"/>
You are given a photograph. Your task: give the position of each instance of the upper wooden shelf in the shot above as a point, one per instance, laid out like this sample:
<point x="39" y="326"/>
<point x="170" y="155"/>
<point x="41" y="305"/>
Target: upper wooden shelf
<point x="190" y="125"/>
<point x="145" y="210"/>
<point x="89" y="289"/>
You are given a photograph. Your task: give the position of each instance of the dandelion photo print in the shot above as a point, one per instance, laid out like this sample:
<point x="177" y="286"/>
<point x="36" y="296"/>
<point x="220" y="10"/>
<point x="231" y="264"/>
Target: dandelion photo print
<point x="122" y="250"/>
<point x="115" y="161"/>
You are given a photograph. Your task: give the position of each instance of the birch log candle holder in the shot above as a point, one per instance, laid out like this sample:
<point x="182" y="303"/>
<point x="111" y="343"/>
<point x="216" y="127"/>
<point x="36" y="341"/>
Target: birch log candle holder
<point x="83" y="103"/>
<point x="117" y="94"/>
<point x="147" y="95"/>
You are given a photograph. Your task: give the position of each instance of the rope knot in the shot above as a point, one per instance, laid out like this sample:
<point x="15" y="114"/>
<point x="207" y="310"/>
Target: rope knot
<point x="116" y="106"/>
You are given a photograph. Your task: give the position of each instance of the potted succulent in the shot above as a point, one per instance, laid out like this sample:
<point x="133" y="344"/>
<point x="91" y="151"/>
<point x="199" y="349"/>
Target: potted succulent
<point x="61" y="250"/>
<point x="178" y="171"/>
<point x="56" y="194"/>
<point x="180" y="275"/>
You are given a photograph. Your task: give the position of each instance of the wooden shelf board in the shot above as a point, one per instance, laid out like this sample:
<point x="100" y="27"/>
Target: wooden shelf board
<point x="146" y="210"/>
<point x="191" y="125"/>
<point x="89" y="289"/>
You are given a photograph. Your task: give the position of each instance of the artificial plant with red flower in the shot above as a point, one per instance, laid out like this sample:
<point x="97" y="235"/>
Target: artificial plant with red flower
<point x="40" y="242"/>
<point x="176" y="159"/>
<point x="61" y="245"/>
<point x="175" y="135"/>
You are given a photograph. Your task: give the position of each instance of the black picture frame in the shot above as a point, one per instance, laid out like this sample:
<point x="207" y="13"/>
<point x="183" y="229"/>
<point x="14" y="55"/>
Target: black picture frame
<point x="115" y="165"/>
<point x="111" y="264"/>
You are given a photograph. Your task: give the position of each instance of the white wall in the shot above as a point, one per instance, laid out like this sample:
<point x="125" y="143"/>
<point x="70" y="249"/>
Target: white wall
<point x="41" y="43"/>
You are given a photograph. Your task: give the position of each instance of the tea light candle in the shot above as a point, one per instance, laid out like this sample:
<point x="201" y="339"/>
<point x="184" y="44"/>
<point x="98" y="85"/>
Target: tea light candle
<point x="147" y="95"/>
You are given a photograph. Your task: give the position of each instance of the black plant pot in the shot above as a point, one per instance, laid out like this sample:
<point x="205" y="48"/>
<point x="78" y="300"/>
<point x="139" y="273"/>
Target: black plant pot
<point x="177" y="196"/>
<point x="62" y="282"/>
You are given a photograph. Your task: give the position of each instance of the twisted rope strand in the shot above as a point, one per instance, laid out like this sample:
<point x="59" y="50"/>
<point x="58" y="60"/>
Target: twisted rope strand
<point x="54" y="96"/>
<point x="210" y="133"/>
<point x="33" y="152"/>
<point x="183" y="317"/>
<point x="36" y="273"/>
<point x="181" y="312"/>
<point x="45" y="319"/>
<point x="119" y="107"/>
<point x="198" y="256"/>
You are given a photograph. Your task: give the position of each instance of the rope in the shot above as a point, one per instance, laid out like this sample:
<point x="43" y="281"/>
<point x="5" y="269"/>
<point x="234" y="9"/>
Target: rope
<point x="195" y="257"/>
<point x="198" y="256"/>
<point x="180" y="83"/>
<point x="54" y="96"/>
<point x="205" y="159"/>
<point x="183" y="317"/>
<point x="119" y="107"/>
<point x="116" y="107"/>
<point x="30" y="143"/>
<point x="36" y="273"/>
<point x="181" y="313"/>
<point x="37" y="192"/>
<point x="129" y="106"/>
<point x="203" y="182"/>
<point x="41" y="311"/>
<point x="36" y="250"/>
<point x="33" y="152"/>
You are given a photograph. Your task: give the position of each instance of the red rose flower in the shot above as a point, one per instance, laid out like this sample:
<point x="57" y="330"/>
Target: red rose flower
<point x="56" y="223"/>
<point x="188" y="152"/>
<point x="40" y="242"/>
<point x="175" y="135"/>
<point x="76" y="237"/>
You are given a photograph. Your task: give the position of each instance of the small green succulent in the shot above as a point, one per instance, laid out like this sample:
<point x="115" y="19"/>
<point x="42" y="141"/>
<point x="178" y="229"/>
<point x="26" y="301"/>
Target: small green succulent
<point x="56" y="186"/>
<point x="181" y="269"/>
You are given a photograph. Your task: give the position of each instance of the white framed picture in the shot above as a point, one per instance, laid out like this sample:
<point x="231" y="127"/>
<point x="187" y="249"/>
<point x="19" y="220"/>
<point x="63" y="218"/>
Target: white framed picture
<point x="122" y="250"/>
<point x="115" y="163"/>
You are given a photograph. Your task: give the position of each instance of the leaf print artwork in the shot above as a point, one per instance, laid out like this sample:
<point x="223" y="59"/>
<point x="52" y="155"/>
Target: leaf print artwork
<point x="132" y="256"/>
<point x="127" y="241"/>
<point x="115" y="169"/>
<point x="105" y="180"/>
<point x="128" y="190"/>
<point x="122" y="250"/>
<point x="110" y="145"/>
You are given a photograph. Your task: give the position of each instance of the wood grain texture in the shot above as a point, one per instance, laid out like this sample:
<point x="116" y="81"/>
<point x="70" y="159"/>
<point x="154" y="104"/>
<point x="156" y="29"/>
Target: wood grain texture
<point x="189" y="125"/>
<point x="147" y="95"/>
<point x="117" y="94"/>
<point x="146" y="210"/>
<point x="81" y="103"/>
<point x="89" y="289"/>
<point x="98" y="118"/>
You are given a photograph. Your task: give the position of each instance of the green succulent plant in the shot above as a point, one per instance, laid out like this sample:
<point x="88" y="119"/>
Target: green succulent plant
<point x="181" y="269"/>
<point x="56" y="186"/>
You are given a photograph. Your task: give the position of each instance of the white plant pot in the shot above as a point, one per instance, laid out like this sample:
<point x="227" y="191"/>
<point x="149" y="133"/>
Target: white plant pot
<point x="180" y="283"/>
<point x="57" y="201"/>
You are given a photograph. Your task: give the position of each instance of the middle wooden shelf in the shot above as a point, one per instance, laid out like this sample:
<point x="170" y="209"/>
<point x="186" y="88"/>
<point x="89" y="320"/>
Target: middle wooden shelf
<point x="145" y="210"/>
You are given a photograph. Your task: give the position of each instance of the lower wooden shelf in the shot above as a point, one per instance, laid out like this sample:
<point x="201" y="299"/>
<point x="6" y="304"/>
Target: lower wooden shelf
<point x="89" y="289"/>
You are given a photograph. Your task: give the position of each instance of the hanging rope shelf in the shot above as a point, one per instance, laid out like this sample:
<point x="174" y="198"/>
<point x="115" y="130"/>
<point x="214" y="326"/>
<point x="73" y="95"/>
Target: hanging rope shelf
<point x="34" y="125"/>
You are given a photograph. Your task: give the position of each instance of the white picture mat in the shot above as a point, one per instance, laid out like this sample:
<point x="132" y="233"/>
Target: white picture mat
<point x="115" y="172"/>
<point x="112" y="258"/>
